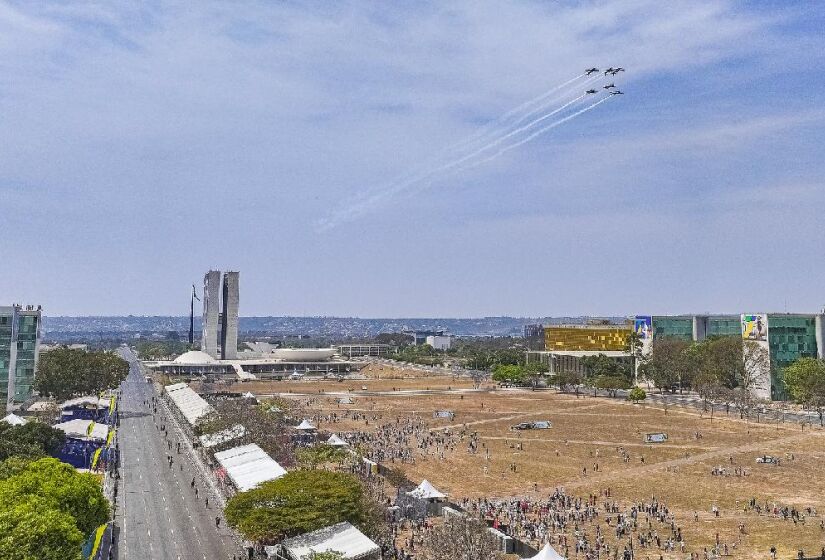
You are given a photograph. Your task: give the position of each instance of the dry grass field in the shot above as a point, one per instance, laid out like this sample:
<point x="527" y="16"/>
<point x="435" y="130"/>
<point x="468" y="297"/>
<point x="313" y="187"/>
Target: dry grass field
<point x="595" y="431"/>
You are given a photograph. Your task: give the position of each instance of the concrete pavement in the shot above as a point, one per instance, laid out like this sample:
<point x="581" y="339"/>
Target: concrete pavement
<point x="159" y="516"/>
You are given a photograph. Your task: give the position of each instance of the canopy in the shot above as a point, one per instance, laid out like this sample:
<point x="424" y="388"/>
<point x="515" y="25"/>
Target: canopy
<point x="248" y="466"/>
<point x="335" y="441"/>
<point x="190" y="404"/>
<point x="248" y="395"/>
<point x="345" y="400"/>
<point x="342" y="537"/>
<point x="305" y="425"/>
<point x="14" y="420"/>
<point x="426" y="491"/>
<point x="90" y="400"/>
<point x="84" y="429"/>
<point x="547" y="553"/>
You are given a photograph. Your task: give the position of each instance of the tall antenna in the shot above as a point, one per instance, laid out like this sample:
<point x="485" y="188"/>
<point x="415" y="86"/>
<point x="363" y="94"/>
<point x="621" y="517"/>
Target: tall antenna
<point x="192" y="316"/>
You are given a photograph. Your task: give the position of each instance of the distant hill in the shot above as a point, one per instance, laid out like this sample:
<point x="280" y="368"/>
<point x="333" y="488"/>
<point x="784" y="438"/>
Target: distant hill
<point x="64" y="327"/>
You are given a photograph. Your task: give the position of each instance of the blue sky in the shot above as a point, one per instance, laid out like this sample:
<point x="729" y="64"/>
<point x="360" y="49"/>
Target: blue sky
<point x="141" y="146"/>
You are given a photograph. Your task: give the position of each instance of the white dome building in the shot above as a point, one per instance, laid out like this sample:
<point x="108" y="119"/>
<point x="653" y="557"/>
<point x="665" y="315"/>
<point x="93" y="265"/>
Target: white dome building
<point x="194" y="358"/>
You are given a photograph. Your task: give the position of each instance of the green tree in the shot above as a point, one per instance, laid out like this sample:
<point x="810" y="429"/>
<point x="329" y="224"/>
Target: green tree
<point x="668" y="364"/>
<point x="611" y="383"/>
<point x="32" y="440"/>
<point x="636" y="394"/>
<point x="60" y="487"/>
<point x="33" y="529"/>
<point x="299" y="502"/>
<point x="805" y="381"/>
<point x="569" y="381"/>
<point x="509" y="374"/>
<point x="64" y="373"/>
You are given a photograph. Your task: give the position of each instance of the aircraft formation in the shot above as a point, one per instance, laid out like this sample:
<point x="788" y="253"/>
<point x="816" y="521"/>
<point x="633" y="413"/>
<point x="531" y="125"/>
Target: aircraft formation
<point x="612" y="71"/>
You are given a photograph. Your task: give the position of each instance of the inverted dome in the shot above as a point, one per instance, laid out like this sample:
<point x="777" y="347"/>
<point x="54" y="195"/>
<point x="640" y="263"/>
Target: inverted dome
<point x="194" y="357"/>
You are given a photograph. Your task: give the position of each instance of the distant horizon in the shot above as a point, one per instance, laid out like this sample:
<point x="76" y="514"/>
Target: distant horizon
<point x="357" y="159"/>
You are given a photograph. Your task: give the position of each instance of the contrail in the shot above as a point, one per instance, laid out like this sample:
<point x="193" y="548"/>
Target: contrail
<point x="501" y="124"/>
<point x="359" y="207"/>
<point x="538" y="133"/>
<point x="420" y="175"/>
<point x="512" y="133"/>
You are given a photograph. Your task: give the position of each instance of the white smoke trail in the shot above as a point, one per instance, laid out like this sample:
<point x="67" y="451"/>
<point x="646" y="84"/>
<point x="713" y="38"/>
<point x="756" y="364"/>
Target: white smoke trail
<point x="422" y="174"/>
<point x="359" y="207"/>
<point x="521" y="129"/>
<point x="501" y="125"/>
<point x="368" y="200"/>
<point x="537" y="133"/>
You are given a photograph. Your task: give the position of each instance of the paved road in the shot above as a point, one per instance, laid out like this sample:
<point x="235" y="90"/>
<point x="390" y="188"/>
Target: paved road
<point x="159" y="516"/>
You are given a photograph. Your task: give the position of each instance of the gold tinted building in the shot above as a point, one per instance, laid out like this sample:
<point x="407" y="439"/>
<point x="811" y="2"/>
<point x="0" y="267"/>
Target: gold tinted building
<point x="585" y="338"/>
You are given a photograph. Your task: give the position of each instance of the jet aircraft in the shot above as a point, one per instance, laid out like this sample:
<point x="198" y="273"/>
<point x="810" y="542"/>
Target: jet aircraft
<point x="590" y="91"/>
<point x="617" y="92"/>
<point x="591" y="70"/>
<point x="608" y="71"/>
<point x="608" y="86"/>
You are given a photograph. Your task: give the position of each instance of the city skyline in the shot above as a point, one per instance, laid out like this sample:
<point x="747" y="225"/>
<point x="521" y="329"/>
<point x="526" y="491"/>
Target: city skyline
<point x="137" y="133"/>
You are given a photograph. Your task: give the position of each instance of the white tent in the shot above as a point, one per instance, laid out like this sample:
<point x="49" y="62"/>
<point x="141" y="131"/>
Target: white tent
<point x="190" y="404"/>
<point x="335" y="441"/>
<point x="14" y="420"/>
<point x="87" y="401"/>
<point x="84" y="429"/>
<point x="248" y="395"/>
<point x="342" y="537"/>
<point x="547" y="553"/>
<point x="306" y="425"/>
<point x="426" y="491"/>
<point x="248" y="466"/>
<point x="345" y="400"/>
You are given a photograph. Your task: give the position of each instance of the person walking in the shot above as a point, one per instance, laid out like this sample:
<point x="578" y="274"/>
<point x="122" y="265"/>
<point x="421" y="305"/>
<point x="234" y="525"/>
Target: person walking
<point x="217" y="522"/>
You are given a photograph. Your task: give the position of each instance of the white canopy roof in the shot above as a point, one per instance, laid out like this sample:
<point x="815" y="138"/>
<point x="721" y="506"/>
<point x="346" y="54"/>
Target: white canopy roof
<point x="547" y="553"/>
<point x="14" y="420"/>
<point x="194" y="357"/>
<point x="190" y="404"/>
<point x="305" y="425"/>
<point x="248" y="395"/>
<point x="426" y="491"/>
<point x="248" y="466"/>
<point x="84" y="429"/>
<point x="211" y="440"/>
<point x="342" y="537"/>
<point x="345" y="400"/>
<point x="90" y="400"/>
<point x="335" y="441"/>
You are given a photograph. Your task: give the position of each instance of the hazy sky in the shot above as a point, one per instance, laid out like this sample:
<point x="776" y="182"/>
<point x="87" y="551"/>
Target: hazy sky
<point x="140" y="146"/>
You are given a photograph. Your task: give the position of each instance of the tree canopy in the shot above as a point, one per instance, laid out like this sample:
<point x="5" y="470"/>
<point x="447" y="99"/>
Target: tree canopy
<point x="32" y="440"/>
<point x="299" y="502"/>
<point x="47" y="509"/>
<point x="64" y="373"/>
<point x="805" y="381"/>
<point x="509" y="373"/>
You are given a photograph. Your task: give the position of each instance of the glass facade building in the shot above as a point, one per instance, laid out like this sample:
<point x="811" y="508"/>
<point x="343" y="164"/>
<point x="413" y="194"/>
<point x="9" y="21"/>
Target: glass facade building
<point x="677" y="326"/>
<point x="19" y="351"/>
<point x="790" y="337"/>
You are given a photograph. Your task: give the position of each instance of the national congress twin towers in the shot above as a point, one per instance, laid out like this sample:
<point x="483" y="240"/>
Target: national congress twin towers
<point x="217" y="294"/>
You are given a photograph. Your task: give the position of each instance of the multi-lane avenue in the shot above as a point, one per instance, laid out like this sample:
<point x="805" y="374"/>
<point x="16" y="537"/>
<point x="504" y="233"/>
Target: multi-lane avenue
<point x="159" y="514"/>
